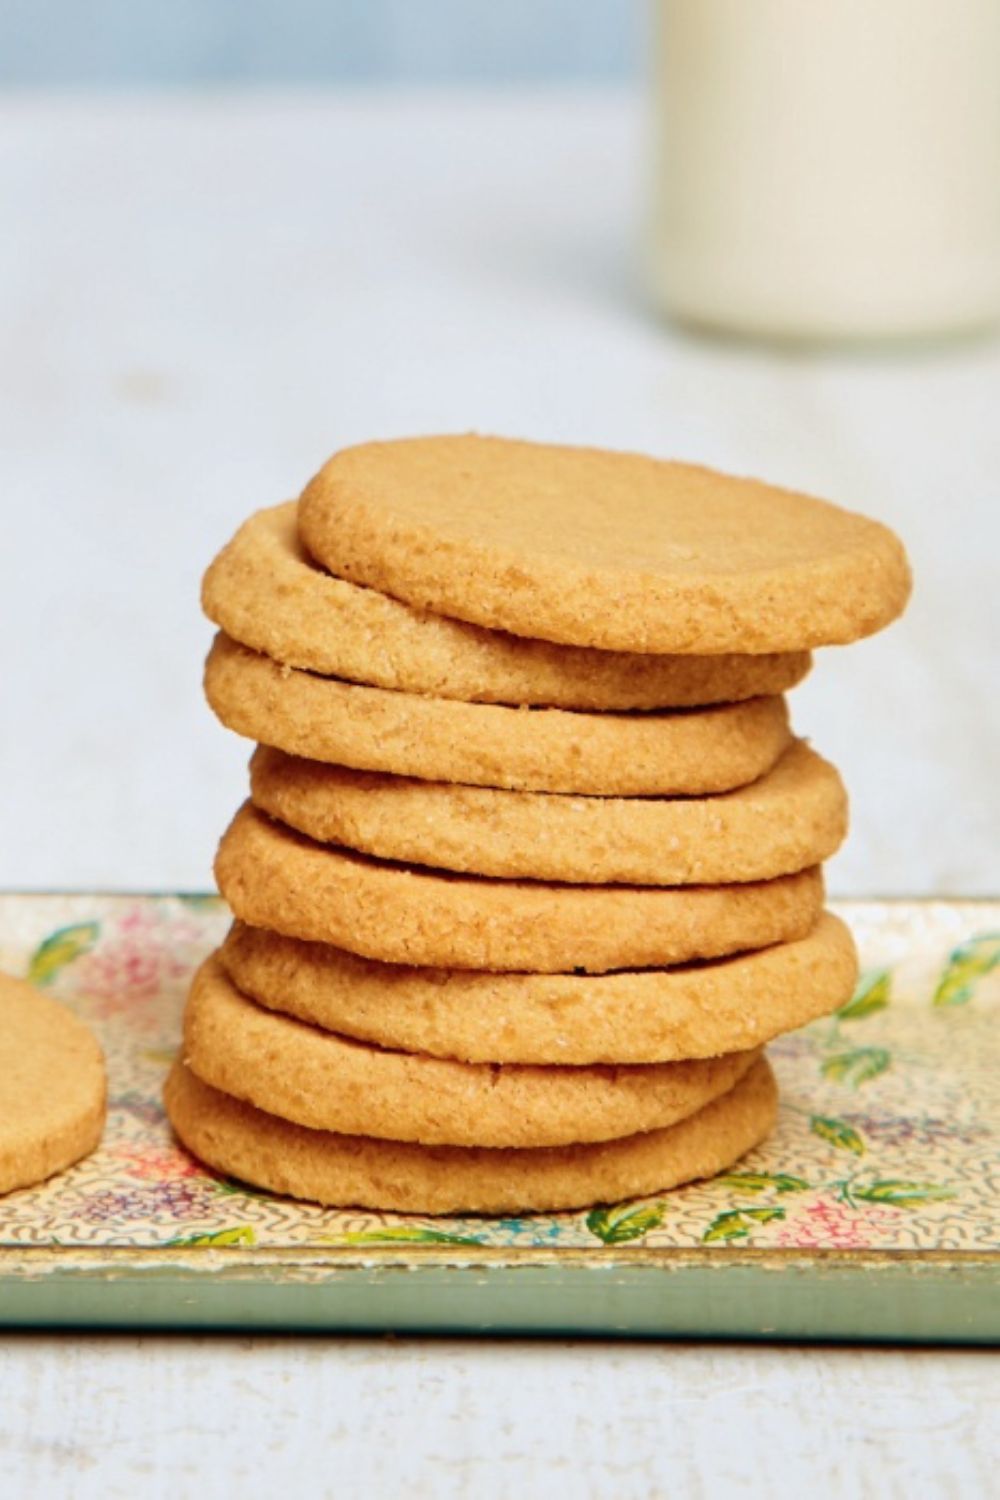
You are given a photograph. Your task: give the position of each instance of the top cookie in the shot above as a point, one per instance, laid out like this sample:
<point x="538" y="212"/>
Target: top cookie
<point x="594" y="548"/>
<point x="264" y="591"/>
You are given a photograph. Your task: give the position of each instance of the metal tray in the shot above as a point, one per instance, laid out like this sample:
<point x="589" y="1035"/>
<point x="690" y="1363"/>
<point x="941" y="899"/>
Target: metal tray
<point x="872" y="1213"/>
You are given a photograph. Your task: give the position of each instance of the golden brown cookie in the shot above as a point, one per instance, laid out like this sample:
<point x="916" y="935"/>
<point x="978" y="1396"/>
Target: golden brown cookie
<point x="639" y="1016"/>
<point x="265" y="591"/>
<point x="593" y="548"/>
<point x="330" y="1082"/>
<point x="356" y="1171"/>
<point x="543" y="749"/>
<point x="793" y="817"/>
<point x="52" y="1086"/>
<point x="276" y="878"/>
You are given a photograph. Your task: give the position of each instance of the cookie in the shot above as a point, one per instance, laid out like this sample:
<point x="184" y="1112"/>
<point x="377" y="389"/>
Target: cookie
<point x="330" y="1082"/>
<point x="593" y="548"/>
<point x="264" y="591"/>
<point x="793" y="817"/>
<point x="273" y="877"/>
<point x="52" y="1087"/>
<point x="357" y="1172"/>
<point x="544" y="749"/>
<point x="640" y="1016"/>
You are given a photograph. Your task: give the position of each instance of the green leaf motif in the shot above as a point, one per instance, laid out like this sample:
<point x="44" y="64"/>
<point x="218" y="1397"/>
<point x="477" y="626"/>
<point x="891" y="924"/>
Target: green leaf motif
<point x="402" y="1235"/>
<point x="966" y="964"/>
<point x="902" y="1194"/>
<point x="737" y="1223"/>
<point x="615" y="1226"/>
<point x="873" y="993"/>
<point x="237" y="1189"/>
<point x="163" y="1056"/>
<point x="856" y="1067"/>
<point x="759" y="1182"/>
<point x="838" y="1133"/>
<point x="243" y="1234"/>
<point x="61" y="948"/>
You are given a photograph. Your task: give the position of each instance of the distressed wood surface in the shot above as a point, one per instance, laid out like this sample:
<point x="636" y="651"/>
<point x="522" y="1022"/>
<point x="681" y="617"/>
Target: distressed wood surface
<point x="99" y="1417"/>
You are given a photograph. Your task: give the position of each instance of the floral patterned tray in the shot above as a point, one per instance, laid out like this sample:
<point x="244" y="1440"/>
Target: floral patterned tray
<point x="873" y="1212"/>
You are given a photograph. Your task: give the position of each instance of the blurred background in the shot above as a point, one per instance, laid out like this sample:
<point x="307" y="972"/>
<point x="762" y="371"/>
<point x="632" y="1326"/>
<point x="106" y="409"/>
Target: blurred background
<point x="237" y="236"/>
<point x="111" y="43"/>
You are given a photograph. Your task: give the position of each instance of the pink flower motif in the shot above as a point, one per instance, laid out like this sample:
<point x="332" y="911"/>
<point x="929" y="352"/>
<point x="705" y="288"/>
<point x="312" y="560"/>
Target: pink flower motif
<point x="831" y="1225"/>
<point x="158" y="1163"/>
<point x="134" y="962"/>
<point x="144" y="918"/>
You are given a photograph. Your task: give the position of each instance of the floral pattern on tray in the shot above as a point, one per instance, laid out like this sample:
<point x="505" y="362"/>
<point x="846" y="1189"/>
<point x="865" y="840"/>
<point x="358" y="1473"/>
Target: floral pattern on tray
<point x="888" y="1137"/>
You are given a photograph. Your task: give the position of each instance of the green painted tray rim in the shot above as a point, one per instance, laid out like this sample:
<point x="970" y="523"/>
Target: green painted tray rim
<point x="913" y="1297"/>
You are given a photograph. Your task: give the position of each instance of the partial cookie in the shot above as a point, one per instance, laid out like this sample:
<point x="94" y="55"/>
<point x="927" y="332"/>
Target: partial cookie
<point x="276" y="878"/>
<point x="355" y="1171"/>
<point x="264" y="591"/>
<point x="593" y="548"/>
<point x="52" y="1086"/>
<point x="330" y="1082"/>
<point x="543" y="749"/>
<point x="793" y="817"/>
<point x="639" y="1016"/>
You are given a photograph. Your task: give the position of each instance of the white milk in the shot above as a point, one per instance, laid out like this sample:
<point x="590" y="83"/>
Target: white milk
<point x="828" y="169"/>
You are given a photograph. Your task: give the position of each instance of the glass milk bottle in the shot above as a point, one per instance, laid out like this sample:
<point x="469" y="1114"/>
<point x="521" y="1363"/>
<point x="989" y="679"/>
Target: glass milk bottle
<point x="827" y="169"/>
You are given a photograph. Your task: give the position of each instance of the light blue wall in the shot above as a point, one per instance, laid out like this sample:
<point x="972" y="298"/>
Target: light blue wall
<point x="178" y="42"/>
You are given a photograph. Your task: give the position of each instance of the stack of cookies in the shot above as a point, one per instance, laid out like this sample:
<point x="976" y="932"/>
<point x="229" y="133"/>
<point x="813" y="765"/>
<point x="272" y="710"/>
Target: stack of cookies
<point x="530" y="868"/>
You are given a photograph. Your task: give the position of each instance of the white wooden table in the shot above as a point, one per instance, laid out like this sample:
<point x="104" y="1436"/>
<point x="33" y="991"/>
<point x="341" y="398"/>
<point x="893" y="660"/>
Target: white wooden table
<point x="198" y="301"/>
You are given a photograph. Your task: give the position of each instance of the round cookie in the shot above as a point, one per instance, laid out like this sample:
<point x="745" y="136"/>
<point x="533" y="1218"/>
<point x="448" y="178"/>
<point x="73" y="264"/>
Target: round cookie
<point x="330" y="1082"/>
<point x="264" y="591"/>
<point x="273" y="877"/>
<point x="639" y="1016"/>
<point x="355" y="1171"/>
<point x="792" y="817"/>
<point x="440" y="739"/>
<point x="52" y="1086"/>
<point x="595" y="548"/>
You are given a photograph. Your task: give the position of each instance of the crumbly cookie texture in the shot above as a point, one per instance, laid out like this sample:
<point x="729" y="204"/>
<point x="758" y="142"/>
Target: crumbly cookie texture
<point x="440" y="739"/>
<point x="594" y="548"/>
<point x="264" y="591"/>
<point x="792" y="817"/>
<point x="244" y="1142"/>
<point x="639" y="1016"/>
<point x="52" y="1086"/>
<point x="273" y="877"/>
<point x="330" y="1082"/>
